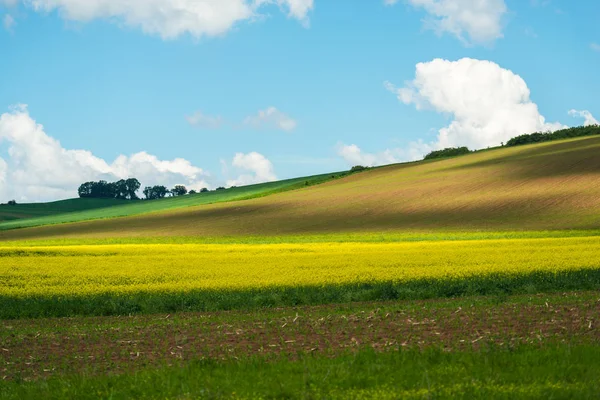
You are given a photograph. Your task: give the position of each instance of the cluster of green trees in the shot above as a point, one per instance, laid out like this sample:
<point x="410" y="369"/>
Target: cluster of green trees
<point x="358" y="168"/>
<point x="538" y="137"/>
<point x="155" y="192"/>
<point x="124" y="189"/>
<point x="447" y="152"/>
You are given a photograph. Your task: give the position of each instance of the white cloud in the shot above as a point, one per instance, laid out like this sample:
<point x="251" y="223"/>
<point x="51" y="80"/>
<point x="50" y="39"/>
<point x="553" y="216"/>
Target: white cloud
<point x="171" y="18"/>
<point x="595" y="46"/>
<point x="259" y="167"/>
<point x="489" y="104"/>
<point x="271" y="118"/>
<point x="298" y="9"/>
<point x="38" y="168"/>
<point x="472" y="21"/>
<point x="354" y="155"/>
<point x="588" y="117"/>
<point x="200" y="120"/>
<point x="9" y="22"/>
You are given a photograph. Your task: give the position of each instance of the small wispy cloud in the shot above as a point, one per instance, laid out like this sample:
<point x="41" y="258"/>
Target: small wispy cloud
<point x="586" y="115"/>
<point x="531" y="33"/>
<point x="595" y="47"/>
<point x="204" y="121"/>
<point x="9" y="23"/>
<point x="271" y="118"/>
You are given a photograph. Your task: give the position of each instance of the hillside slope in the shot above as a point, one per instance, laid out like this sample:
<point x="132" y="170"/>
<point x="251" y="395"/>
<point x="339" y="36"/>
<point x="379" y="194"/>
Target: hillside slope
<point x="37" y="210"/>
<point x="77" y="210"/>
<point x="552" y="185"/>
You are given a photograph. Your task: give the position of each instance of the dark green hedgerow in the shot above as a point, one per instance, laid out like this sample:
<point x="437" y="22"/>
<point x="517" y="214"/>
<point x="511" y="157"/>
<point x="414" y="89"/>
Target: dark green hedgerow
<point x="568" y="133"/>
<point x="447" y="152"/>
<point x="529" y="372"/>
<point x="217" y="300"/>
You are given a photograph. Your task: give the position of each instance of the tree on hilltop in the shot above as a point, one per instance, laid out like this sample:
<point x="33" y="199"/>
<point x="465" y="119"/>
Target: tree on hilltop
<point x="122" y="189"/>
<point x="179" y="190"/>
<point x="155" y="192"/>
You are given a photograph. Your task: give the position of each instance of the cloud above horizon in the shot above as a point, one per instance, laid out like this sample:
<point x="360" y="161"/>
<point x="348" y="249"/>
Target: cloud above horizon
<point x="354" y="155"/>
<point x="255" y="168"/>
<point x="586" y="115"/>
<point x="170" y="19"/>
<point x="204" y="121"/>
<point x="488" y="104"/>
<point x="268" y="119"/>
<point x="9" y="23"/>
<point x="471" y="21"/>
<point x="271" y="118"/>
<point x="38" y="168"/>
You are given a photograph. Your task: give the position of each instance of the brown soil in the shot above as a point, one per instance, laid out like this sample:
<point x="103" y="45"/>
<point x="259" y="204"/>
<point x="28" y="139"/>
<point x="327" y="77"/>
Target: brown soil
<point x="42" y="348"/>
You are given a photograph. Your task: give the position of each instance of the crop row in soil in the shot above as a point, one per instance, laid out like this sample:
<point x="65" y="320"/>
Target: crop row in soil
<point x="39" y="348"/>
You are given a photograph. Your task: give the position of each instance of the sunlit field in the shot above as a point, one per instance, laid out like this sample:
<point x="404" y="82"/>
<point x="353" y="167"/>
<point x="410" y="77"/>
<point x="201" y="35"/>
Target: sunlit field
<point x="90" y="279"/>
<point x="470" y="277"/>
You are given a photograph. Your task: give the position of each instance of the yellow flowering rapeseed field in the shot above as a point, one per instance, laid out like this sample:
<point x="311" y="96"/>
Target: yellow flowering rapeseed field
<point x="85" y="270"/>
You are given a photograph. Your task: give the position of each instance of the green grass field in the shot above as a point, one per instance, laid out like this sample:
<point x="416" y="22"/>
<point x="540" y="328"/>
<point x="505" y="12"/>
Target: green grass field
<point x="38" y="210"/>
<point x="496" y="347"/>
<point x="470" y="277"/>
<point x="556" y="372"/>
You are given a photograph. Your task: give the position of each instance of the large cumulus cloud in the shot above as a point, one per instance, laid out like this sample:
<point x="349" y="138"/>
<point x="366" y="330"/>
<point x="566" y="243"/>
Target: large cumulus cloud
<point x="488" y="104"/>
<point x="37" y="167"/>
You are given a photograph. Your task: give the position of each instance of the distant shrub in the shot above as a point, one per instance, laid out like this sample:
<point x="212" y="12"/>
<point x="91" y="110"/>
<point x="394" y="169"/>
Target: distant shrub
<point x="358" y="168"/>
<point x="220" y="188"/>
<point x="539" y="137"/>
<point x="12" y="203"/>
<point x="447" y="152"/>
<point x="203" y="190"/>
<point x="192" y="192"/>
<point x="179" y="190"/>
<point x="155" y="192"/>
<point x="123" y="189"/>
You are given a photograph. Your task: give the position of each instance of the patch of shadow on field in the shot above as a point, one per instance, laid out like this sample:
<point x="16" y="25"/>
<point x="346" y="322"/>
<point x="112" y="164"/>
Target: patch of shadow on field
<point x="269" y="217"/>
<point x="145" y="225"/>
<point x="125" y="344"/>
<point x="555" y="159"/>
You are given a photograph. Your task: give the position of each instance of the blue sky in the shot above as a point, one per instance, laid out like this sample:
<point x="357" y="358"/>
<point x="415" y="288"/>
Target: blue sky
<point x="210" y="93"/>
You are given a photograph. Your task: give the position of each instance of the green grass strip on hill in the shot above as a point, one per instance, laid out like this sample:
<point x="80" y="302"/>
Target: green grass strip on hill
<point x="37" y="210"/>
<point x="568" y="133"/>
<point x="77" y="210"/>
<point x="529" y="372"/>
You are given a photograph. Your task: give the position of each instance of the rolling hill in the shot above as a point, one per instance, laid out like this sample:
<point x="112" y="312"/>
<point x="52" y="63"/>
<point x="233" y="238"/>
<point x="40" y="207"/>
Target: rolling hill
<point x="82" y="209"/>
<point x="548" y="186"/>
<point x="39" y="210"/>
